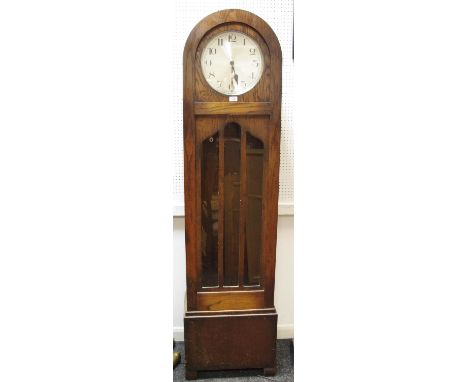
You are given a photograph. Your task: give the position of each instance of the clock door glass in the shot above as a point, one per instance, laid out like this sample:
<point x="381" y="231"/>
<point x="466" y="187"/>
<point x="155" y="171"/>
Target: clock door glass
<point x="231" y="230"/>
<point x="232" y="136"/>
<point x="232" y="63"/>
<point x="209" y="210"/>
<point x="253" y="221"/>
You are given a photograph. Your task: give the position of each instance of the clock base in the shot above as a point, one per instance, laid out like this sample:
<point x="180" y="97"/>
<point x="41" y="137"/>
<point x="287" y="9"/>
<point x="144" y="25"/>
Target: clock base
<point x="269" y="371"/>
<point x="230" y="340"/>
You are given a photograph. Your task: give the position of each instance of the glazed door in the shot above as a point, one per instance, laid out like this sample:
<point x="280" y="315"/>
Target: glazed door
<point x="232" y="154"/>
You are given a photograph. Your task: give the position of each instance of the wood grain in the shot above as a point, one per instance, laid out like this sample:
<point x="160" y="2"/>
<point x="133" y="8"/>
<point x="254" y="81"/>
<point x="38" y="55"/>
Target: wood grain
<point x="233" y="300"/>
<point x="221" y="342"/>
<point x="232" y="108"/>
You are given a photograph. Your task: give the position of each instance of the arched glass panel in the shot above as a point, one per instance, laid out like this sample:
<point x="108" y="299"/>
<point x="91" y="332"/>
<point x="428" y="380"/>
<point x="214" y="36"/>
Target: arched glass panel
<point x="232" y="137"/>
<point x="209" y="210"/>
<point x="253" y="221"/>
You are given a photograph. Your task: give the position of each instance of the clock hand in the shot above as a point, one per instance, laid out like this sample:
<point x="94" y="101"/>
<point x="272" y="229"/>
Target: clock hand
<point x="233" y="71"/>
<point x="228" y="50"/>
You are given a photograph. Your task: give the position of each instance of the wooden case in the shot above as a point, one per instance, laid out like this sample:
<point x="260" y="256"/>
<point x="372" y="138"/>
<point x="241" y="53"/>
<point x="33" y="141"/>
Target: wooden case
<point x="231" y="325"/>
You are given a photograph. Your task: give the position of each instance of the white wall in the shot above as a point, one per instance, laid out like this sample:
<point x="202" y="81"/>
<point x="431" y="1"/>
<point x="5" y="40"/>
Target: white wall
<point x="284" y="290"/>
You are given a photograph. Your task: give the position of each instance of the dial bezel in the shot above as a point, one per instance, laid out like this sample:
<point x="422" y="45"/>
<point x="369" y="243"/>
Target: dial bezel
<point x="212" y="36"/>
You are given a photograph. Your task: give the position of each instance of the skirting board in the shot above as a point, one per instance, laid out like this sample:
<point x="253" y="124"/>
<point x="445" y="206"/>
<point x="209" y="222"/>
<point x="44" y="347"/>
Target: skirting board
<point x="283" y="332"/>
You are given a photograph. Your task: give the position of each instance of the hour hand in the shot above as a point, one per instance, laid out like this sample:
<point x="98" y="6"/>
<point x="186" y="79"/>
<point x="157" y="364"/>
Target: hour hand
<point x="235" y="76"/>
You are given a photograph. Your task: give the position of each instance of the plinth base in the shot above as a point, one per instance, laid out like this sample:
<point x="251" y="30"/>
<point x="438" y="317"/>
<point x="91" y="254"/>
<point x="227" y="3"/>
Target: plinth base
<point x="230" y="340"/>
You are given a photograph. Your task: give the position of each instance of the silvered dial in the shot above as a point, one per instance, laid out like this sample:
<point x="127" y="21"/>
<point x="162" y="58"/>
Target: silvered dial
<point x="232" y="62"/>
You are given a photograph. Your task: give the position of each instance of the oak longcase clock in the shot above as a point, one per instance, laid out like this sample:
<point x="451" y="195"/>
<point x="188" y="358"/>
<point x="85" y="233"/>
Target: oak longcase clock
<point x="232" y="117"/>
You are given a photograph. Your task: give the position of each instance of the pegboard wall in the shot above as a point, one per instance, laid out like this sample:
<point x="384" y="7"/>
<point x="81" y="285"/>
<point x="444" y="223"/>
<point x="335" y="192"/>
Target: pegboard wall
<point x="279" y="15"/>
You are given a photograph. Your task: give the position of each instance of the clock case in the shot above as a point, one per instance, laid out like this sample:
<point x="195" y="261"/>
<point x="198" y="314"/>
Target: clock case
<point x="231" y="327"/>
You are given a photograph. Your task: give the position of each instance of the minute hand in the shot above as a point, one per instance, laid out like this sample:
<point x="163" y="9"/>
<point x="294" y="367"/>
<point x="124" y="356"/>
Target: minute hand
<point x="233" y="72"/>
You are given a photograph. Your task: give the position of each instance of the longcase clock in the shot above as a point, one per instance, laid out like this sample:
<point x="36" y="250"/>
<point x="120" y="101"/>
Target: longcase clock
<point x="232" y="118"/>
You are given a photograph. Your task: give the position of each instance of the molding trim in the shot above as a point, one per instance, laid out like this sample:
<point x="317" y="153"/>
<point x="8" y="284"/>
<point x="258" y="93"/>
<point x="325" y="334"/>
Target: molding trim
<point x="284" y="331"/>
<point x="284" y="209"/>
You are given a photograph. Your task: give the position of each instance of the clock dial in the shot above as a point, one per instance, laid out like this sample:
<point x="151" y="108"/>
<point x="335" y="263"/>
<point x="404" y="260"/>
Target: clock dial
<point x="232" y="63"/>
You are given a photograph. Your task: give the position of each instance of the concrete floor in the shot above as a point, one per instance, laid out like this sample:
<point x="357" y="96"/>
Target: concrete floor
<point x="284" y="362"/>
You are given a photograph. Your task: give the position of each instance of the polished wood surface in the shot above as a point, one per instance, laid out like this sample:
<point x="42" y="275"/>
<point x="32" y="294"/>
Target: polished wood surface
<point x="231" y="182"/>
<point x="228" y="341"/>
<point x="232" y="108"/>
<point x="236" y="300"/>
